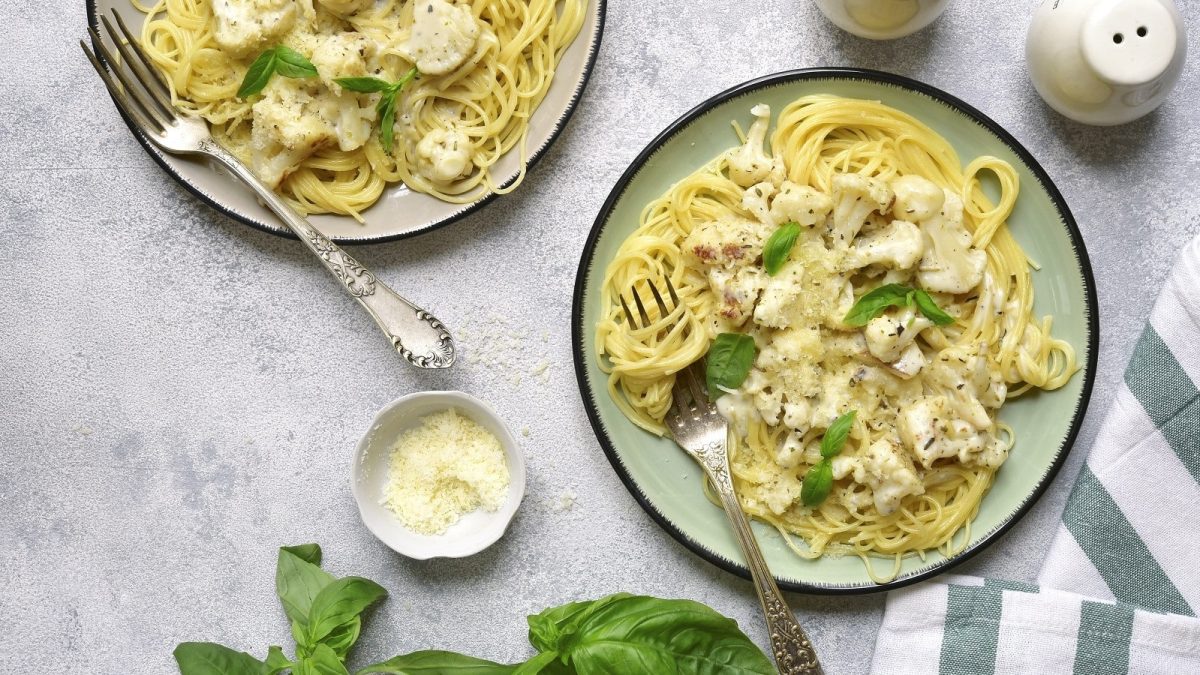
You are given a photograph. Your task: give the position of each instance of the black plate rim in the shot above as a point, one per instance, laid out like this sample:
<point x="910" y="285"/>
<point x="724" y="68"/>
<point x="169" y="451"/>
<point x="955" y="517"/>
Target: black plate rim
<point x="213" y="201"/>
<point x="1080" y="250"/>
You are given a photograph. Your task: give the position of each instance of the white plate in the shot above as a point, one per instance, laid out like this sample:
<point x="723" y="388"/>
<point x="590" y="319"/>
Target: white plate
<point x="400" y="212"/>
<point x="369" y="474"/>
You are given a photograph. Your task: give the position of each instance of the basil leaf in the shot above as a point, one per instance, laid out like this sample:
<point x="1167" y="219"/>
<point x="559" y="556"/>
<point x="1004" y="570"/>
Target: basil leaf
<point x="210" y="658"/>
<point x="546" y="662"/>
<point x="258" y="75"/>
<point x="432" y="662"/>
<point x="291" y="63"/>
<point x="276" y="661"/>
<point x="302" y="646"/>
<point x="338" y="603"/>
<point x="874" y="303"/>
<point x="298" y="580"/>
<point x="342" y="638"/>
<point x="818" y="481"/>
<point x="730" y="358"/>
<point x="411" y="75"/>
<point x="321" y="662"/>
<point x="553" y="629"/>
<point x="930" y="309"/>
<point x="387" y="120"/>
<point x="310" y="553"/>
<point x="639" y="634"/>
<point x="779" y="247"/>
<point x="363" y="85"/>
<point x="836" y="434"/>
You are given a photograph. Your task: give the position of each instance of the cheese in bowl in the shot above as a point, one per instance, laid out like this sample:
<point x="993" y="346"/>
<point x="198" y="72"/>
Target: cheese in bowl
<point x="442" y="469"/>
<point x="438" y="475"/>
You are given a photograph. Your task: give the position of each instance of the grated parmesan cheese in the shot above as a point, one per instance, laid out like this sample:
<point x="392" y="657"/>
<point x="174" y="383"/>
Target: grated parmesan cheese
<point x="443" y="469"/>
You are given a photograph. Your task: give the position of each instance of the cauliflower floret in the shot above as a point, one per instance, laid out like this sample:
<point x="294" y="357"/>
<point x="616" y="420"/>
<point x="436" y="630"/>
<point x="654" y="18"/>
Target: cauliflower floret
<point x="890" y="475"/>
<point x="917" y="198"/>
<point x="443" y="155"/>
<point x="950" y="263"/>
<point x="443" y="36"/>
<point x="932" y="430"/>
<point x="756" y="200"/>
<point x="856" y="197"/>
<point x="243" y="27"/>
<point x="889" y="334"/>
<point x="781" y="493"/>
<point x="353" y="115"/>
<point x="345" y="7"/>
<point x="800" y="203"/>
<point x="791" y="452"/>
<point x="898" y="246"/>
<point x="842" y="306"/>
<point x="749" y="163"/>
<point x="965" y="370"/>
<point x="780" y="292"/>
<point x="737" y="291"/>
<point x="738" y="410"/>
<point x="729" y="242"/>
<point x="768" y="400"/>
<point x="290" y="123"/>
<point x="911" y="361"/>
<point x="796" y="415"/>
<point x="342" y="55"/>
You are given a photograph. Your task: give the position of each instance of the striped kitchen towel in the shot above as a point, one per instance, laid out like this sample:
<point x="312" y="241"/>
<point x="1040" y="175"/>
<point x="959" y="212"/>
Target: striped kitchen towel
<point x="1119" y="590"/>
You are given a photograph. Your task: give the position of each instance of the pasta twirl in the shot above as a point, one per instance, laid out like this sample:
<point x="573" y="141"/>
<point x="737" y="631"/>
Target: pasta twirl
<point x="318" y="144"/>
<point x="880" y="200"/>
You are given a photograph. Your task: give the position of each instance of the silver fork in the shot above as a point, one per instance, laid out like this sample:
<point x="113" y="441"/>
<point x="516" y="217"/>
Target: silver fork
<point x="143" y="98"/>
<point x="700" y="430"/>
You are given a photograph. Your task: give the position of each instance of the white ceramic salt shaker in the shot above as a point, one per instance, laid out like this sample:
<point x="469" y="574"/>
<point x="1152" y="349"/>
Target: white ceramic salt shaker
<point x="1105" y="62"/>
<point x="882" y="19"/>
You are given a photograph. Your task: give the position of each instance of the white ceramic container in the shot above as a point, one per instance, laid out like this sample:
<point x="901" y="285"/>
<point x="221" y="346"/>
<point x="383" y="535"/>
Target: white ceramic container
<point x="1105" y="62"/>
<point x="882" y="19"/>
<point x="369" y="474"/>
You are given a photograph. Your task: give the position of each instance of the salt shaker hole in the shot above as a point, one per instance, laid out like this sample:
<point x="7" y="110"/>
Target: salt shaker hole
<point x="1118" y="38"/>
<point x="1142" y="31"/>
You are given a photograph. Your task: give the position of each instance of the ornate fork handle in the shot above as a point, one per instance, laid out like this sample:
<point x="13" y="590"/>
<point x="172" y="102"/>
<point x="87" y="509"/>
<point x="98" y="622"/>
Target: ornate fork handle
<point x="794" y="653"/>
<point x="417" y="335"/>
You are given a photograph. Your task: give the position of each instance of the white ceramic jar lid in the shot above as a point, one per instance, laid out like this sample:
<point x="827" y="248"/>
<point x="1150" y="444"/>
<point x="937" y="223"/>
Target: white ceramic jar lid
<point x="1129" y="42"/>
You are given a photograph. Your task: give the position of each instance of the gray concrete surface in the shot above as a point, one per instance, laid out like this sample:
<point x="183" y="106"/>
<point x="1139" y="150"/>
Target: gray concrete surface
<point x="181" y="393"/>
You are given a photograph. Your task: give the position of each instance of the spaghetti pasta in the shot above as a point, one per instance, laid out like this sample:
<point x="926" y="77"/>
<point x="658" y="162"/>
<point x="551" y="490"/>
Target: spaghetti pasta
<point x="482" y="105"/>
<point x="926" y="443"/>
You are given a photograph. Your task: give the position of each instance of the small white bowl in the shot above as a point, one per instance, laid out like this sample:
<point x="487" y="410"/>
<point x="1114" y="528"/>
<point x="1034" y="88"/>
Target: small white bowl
<point x="369" y="474"/>
<point x="882" y="19"/>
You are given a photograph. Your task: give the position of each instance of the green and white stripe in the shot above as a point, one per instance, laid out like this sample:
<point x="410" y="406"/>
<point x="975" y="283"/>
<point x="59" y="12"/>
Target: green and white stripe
<point x="1120" y="588"/>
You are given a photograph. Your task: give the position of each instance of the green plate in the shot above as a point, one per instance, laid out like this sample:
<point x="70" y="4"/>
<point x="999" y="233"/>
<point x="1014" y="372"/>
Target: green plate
<point x="667" y="483"/>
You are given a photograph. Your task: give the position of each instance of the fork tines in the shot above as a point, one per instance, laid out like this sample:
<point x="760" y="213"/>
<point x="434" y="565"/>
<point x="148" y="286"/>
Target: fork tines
<point x="689" y="380"/>
<point x="141" y="93"/>
<point x="641" y="308"/>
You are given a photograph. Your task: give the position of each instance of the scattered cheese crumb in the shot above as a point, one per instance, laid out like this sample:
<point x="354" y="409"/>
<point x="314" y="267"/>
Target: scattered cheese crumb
<point x="443" y="469"/>
<point x="525" y="432"/>
<point x="565" y="501"/>
<point x="83" y="430"/>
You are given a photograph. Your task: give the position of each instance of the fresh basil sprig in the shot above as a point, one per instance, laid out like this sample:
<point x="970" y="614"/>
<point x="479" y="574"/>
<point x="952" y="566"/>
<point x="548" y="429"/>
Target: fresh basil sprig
<point x="278" y="59"/>
<point x="877" y="301"/>
<point x="729" y="360"/>
<point x="835" y="436"/>
<point x="617" y="634"/>
<point x="819" y="480"/>
<point x="779" y="247"/>
<point x="386" y="107"/>
<point x="324" y="614"/>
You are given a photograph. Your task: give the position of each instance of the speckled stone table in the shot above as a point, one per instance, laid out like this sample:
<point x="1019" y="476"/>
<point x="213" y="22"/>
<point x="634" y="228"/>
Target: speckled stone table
<point x="181" y="393"/>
